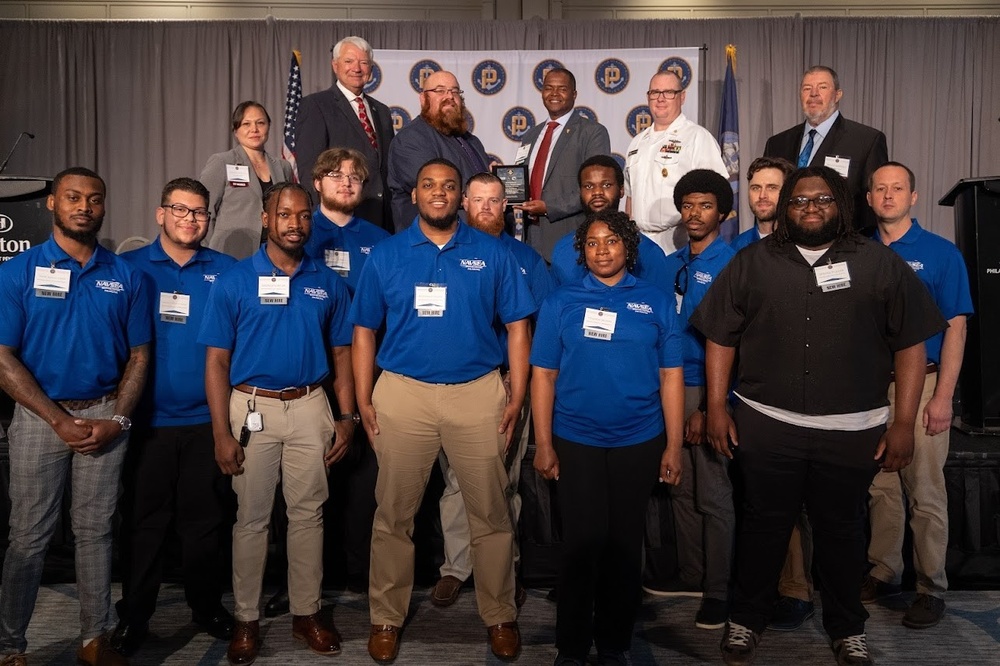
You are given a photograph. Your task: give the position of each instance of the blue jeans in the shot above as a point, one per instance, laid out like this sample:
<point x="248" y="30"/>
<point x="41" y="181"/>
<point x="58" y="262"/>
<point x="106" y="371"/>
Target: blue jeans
<point x="40" y="464"/>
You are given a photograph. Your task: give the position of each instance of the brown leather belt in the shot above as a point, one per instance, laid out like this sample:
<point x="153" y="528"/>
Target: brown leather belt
<point x="75" y="405"/>
<point x="283" y="394"/>
<point x="931" y="369"/>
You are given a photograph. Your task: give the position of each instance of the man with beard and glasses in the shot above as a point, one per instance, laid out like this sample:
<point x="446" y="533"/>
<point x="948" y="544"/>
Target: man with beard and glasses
<point x="765" y="176"/>
<point x="820" y="318"/>
<point x="703" y="501"/>
<point x="441" y="130"/>
<point x="601" y="181"/>
<point x="171" y="479"/>
<point x="271" y="396"/>
<point x="484" y="205"/>
<point x="439" y="287"/>
<point x="74" y="351"/>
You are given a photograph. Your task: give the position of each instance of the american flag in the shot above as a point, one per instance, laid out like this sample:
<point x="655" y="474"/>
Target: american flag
<point x="292" y="99"/>
<point x="729" y="138"/>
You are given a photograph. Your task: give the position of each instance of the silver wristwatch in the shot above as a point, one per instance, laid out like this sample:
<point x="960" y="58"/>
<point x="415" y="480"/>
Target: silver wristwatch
<point x="124" y="421"/>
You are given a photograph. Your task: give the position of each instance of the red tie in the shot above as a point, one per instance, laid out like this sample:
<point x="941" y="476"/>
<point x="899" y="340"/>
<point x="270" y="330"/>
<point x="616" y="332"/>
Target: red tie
<point x="365" y="124"/>
<point x="537" y="176"/>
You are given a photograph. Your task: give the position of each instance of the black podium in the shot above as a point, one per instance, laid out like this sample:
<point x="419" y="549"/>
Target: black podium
<point x="977" y="235"/>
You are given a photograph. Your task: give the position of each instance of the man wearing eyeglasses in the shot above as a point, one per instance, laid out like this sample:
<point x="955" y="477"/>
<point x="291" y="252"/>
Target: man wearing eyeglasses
<point x="170" y="475"/>
<point x="703" y="501"/>
<point x="829" y="139"/>
<point x="657" y="158"/>
<point x="74" y="351"/>
<point x="344" y="116"/>
<point x="441" y="130"/>
<point x="820" y="317"/>
<point x="553" y="152"/>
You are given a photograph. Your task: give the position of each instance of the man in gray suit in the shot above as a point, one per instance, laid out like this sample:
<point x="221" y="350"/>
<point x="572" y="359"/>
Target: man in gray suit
<point x="345" y="117"/>
<point x="554" y="151"/>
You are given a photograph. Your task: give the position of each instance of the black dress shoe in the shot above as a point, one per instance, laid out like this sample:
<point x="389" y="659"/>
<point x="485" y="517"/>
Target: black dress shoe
<point x="127" y="638"/>
<point x="277" y="605"/>
<point x="218" y="623"/>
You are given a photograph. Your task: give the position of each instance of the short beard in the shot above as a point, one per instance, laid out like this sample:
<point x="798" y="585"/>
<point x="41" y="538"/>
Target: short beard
<point x="493" y="227"/>
<point x="449" y="123"/>
<point x="443" y="222"/>
<point x="814" y="239"/>
<point x="85" y="237"/>
<point x="339" y="206"/>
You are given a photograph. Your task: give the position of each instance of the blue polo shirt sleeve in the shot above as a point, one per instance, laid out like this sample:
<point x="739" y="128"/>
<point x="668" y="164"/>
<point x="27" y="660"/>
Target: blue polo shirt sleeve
<point x="542" y="282"/>
<point x="368" y="308"/>
<point x="546" y="345"/>
<point x="670" y="343"/>
<point x="652" y="265"/>
<point x="12" y="287"/>
<point x="218" y="328"/>
<point x="514" y="299"/>
<point x="139" y="328"/>
<point x="340" y="329"/>
<point x="952" y="291"/>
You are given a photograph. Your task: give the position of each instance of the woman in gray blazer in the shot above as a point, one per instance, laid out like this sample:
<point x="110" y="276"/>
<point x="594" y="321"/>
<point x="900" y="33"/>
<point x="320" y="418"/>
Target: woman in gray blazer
<point x="237" y="179"/>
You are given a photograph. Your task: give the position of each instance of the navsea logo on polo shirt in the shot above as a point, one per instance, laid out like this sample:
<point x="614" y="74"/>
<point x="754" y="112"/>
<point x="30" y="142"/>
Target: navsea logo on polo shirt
<point x="701" y="277"/>
<point x="110" y="286"/>
<point x="316" y="292"/>
<point x="473" y="264"/>
<point x="210" y="277"/>
<point x="641" y="308"/>
<point x="916" y="265"/>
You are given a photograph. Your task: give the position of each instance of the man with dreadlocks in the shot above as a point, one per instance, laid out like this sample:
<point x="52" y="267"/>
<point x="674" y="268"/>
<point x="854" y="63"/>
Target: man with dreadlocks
<point x="821" y="318"/>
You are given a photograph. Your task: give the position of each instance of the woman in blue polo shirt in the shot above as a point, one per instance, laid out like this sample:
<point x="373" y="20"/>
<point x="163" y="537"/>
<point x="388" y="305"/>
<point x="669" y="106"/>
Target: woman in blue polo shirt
<point x="607" y="377"/>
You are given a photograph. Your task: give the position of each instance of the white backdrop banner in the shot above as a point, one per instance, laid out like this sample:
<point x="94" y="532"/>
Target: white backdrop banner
<point x="503" y="88"/>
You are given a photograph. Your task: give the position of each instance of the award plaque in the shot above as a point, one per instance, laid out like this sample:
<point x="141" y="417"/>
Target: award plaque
<point x="515" y="181"/>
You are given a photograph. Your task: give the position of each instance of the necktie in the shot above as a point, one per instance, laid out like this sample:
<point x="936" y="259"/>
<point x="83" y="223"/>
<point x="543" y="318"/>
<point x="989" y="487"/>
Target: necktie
<point x="807" y="150"/>
<point x="537" y="176"/>
<point x="365" y="123"/>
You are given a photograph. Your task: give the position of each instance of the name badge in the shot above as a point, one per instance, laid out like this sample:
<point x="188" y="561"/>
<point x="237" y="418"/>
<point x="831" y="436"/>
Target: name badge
<point x="832" y="277"/>
<point x="839" y="164"/>
<point x="599" y="324"/>
<point x="238" y="175"/>
<point x="273" y="289"/>
<point x="522" y="154"/>
<point x="339" y="261"/>
<point x="174" y="307"/>
<point x="430" y="300"/>
<point x="51" y="282"/>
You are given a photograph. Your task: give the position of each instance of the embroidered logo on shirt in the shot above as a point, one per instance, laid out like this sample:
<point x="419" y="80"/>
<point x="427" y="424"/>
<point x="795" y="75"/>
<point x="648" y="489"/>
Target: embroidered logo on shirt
<point x="702" y="278"/>
<point x="316" y="293"/>
<point x="641" y="308"/>
<point x="110" y="286"/>
<point x="473" y="264"/>
<point x="210" y="277"/>
<point x="366" y="250"/>
<point x="916" y="265"/>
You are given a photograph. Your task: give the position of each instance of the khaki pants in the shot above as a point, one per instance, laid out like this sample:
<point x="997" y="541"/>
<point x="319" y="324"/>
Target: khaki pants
<point x="296" y="435"/>
<point x="416" y="421"/>
<point x="923" y="481"/>
<point x="796" y="575"/>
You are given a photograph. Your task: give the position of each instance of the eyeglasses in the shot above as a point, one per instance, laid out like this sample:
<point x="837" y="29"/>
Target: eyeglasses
<point x="680" y="288"/>
<point x="822" y="202"/>
<point x="337" y="177"/>
<point x="441" y="90"/>
<point x="665" y="94"/>
<point x="180" y="211"/>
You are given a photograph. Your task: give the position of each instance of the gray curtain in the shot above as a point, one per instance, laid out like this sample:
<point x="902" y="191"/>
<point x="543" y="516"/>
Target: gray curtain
<point x="143" y="102"/>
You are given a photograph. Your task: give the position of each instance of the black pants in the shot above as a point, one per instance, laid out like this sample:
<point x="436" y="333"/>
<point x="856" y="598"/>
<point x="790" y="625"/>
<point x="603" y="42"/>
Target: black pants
<point x="602" y="499"/>
<point x="171" y="478"/>
<point x="350" y="511"/>
<point x="783" y="467"/>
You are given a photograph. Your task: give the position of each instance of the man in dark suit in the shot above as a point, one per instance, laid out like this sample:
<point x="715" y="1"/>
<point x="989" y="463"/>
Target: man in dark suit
<point x="345" y="117"/>
<point x="826" y="138"/>
<point x="554" y="151"/>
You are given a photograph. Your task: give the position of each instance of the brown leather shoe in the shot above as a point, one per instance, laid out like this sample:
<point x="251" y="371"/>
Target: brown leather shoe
<point x="245" y="644"/>
<point x="505" y="640"/>
<point x="99" y="653"/>
<point x="320" y="638"/>
<point x="446" y="591"/>
<point x="383" y="643"/>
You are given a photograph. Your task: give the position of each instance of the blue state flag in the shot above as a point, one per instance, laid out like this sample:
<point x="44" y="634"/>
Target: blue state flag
<point x="729" y="139"/>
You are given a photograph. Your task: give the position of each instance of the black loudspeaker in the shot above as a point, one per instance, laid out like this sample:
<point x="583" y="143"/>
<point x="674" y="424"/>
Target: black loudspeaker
<point x="24" y="219"/>
<point x="977" y="235"/>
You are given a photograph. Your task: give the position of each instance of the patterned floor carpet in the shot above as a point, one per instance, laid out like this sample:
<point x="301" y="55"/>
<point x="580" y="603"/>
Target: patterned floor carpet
<point x="665" y="634"/>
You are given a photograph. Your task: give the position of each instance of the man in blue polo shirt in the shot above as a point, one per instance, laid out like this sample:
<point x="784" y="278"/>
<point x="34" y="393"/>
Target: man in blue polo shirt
<point x="602" y="183"/>
<point x="703" y="501"/>
<point x="438" y="286"/>
<point x="270" y="324"/>
<point x="765" y="176"/>
<point x="171" y="475"/>
<point x="939" y="265"/>
<point x="484" y="205"/>
<point x="74" y="349"/>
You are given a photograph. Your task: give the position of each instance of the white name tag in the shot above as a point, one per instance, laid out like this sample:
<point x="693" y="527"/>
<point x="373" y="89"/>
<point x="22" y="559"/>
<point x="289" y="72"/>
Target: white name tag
<point x="839" y="164"/>
<point x="339" y="261"/>
<point x="51" y="282"/>
<point x="238" y="175"/>
<point x="273" y="289"/>
<point x="599" y="324"/>
<point x="174" y="308"/>
<point x="522" y="154"/>
<point x="430" y="300"/>
<point x="832" y="277"/>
